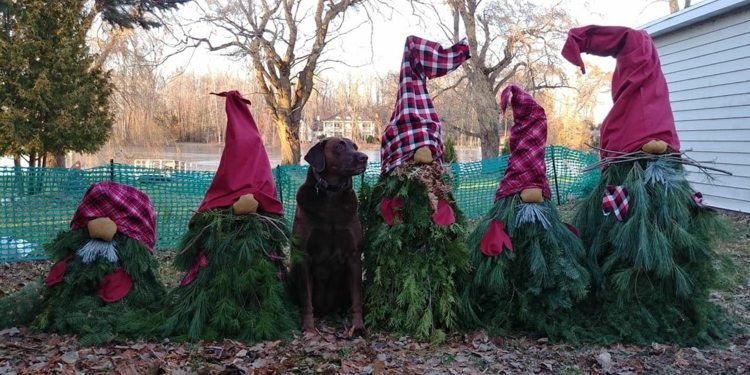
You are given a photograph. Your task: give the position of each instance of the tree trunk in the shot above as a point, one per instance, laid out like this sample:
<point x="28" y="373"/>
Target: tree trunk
<point x="490" y="143"/>
<point x="289" y="141"/>
<point x="18" y="172"/>
<point x="32" y="159"/>
<point x="486" y="110"/>
<point x="674" y="7"/>
<point x="57" y="160"/>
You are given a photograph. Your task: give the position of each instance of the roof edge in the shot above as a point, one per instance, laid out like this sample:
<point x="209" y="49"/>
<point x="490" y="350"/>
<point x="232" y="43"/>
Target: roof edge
<point x="692" y="15"/>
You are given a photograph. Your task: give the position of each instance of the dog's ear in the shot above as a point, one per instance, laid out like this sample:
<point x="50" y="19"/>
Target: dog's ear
<point x="316" y="157"/>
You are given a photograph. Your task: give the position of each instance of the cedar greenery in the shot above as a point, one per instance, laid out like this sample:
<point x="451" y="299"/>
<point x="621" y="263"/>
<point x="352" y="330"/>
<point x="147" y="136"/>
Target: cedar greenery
<point x="73" y="306"/>
<point x="413" y="267"/>
<point x="240" y="294"/>
<point x="653" y="271"/>
<point x="531" y="287"/>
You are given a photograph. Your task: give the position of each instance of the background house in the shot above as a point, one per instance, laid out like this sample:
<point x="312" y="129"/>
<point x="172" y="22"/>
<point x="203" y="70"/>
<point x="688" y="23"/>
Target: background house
<point x="705" y="56"/>
<point x="359" y="130"/>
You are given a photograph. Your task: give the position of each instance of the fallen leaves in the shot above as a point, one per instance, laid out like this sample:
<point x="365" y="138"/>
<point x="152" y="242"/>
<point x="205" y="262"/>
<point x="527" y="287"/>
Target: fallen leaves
<point x="331" y="352"/>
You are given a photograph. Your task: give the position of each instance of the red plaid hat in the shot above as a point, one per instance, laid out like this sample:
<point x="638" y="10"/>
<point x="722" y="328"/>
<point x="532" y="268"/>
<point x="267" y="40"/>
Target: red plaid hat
<point x="414" y="122"/>
<point x="528" y="137"/>
<point x="244" y="167"/>
<point x="127" y="206"/>
<point x="641" y="110"/>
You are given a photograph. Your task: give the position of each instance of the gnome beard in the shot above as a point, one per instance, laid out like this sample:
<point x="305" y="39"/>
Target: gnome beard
<point x="102" y="231"/>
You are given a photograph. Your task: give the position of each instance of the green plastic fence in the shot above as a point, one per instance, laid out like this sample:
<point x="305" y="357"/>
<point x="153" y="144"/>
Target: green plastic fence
<point x="37" y="203"/>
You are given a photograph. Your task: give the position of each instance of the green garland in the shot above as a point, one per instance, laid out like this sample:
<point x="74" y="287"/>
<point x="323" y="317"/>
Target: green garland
<point x="531" y="287"/>
<point x="240" y="294"/>
<point x="652" y="271"/>
<point x="411" y="268"/>
<point x="74" y="307"/>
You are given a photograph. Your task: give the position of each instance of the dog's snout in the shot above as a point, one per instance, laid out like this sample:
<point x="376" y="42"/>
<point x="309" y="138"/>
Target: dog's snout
<point x="362" y="158"/>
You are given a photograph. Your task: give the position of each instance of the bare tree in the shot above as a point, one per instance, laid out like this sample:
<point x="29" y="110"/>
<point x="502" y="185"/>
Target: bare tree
<point x="509" y="41"/>
<point x="285" y="41"/>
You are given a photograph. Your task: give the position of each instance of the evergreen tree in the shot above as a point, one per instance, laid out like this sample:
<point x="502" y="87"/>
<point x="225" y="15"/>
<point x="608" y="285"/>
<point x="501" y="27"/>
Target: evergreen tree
<point x="131" y="13"/>
<point x="51" y="102"/>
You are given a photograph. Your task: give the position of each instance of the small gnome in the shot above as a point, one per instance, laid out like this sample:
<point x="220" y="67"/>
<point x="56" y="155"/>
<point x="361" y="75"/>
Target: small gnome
<point x="527" y="261"/>
<point x="233" y="251"/>
<point x="414" y="231"/>
<point x="104" y="266"/>
<point x="645" y="229"/>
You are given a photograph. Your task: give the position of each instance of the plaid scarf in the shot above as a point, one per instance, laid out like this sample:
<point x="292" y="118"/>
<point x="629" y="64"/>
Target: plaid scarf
<point x="127" y="206"/>
<point x="414" y="122"/>
<point x="528" y="136"/>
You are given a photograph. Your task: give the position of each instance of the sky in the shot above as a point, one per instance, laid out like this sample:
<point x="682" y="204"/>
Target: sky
<point x="378" y="49"/>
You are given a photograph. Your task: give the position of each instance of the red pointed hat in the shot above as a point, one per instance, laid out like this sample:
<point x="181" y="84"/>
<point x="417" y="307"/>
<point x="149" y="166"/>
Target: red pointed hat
<point x="244" y="167"/>
<point x="641" y="110"/>
<point x="528" y="137"/>
<point x="414" y="122"/>
<point x="127" y="206"/>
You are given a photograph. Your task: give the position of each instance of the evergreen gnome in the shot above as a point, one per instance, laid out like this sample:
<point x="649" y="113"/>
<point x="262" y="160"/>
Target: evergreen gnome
<point x="647" y="233"/>
<point x="414" y="232"/>
<point x="104" y="268"/>
<point x="233" y="253"/>
<point x="528" y="263"/>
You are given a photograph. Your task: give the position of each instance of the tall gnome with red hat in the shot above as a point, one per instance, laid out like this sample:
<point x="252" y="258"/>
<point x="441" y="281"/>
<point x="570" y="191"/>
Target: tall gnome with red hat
<point x="528" y="263"/>
<point x="104" y="269"/>
<point x="647" y="232"/>
<point x="233" y="252"/>
<point x="414" y="232"/>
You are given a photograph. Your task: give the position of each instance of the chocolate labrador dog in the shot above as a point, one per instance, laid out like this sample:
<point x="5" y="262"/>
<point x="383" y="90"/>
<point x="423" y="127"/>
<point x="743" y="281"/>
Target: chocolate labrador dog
<point x="329" y="234"/>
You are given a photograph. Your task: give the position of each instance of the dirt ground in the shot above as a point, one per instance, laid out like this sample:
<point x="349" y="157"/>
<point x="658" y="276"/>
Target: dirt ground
<point x="24" y="352"/>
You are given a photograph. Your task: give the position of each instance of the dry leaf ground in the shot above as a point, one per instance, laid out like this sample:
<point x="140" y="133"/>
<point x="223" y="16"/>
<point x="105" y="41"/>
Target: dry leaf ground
<point x="24" y="352"/>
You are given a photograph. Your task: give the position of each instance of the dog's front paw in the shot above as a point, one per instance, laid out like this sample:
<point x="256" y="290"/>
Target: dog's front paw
<point x="308" y="325"/>
<point x="357" y="328"/>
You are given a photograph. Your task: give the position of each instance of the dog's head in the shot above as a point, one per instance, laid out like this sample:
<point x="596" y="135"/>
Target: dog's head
<point x="338" y="156"/>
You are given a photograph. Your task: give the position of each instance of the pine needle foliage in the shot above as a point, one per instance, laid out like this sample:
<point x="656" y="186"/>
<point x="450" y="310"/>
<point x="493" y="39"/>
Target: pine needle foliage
<point x="412" y="269"/>
<point x="73" y="306"/>
<point x="531" y="287"/>
<point x="654" y="270"/>
<point x="241" y="293"/>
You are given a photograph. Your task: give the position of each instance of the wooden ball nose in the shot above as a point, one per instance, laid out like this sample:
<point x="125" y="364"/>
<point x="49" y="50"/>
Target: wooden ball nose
<point x="247" y="204"/>
<point x="102" y="228"/>
<point x="655" y="147"/>
<point x="532" y="195"/>
<point x="423" y="155"/>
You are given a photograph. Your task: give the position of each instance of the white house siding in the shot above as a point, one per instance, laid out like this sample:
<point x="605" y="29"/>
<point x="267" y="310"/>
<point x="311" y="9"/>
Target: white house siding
<point x="707" y="67"/>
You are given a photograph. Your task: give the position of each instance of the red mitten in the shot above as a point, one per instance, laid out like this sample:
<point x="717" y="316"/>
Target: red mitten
<point x="443" y="216"/>
<point x="57" y="272"/>
<point x="494" y="239"/>
<point x="202" y="262"/>
<point x="115" y="286"/>
<point x="389" y="207"/>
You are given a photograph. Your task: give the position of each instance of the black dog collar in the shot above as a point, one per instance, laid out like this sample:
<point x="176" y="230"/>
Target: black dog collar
<point x="322" y="184"/>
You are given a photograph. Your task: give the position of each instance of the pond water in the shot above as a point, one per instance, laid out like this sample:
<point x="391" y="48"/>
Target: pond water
<point x="206" y="157"/>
